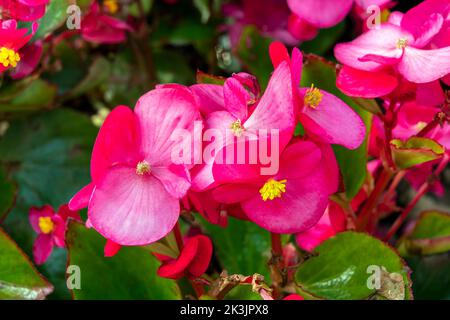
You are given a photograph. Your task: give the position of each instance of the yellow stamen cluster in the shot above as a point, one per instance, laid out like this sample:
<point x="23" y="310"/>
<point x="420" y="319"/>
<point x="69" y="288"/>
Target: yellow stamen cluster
<point x="402" y="43"/>
<point x="142" y="168"/>
<point x="237" y="128"/>
<point x="46" y="225"/>
<point x="313" y="97"/>
<point x="273" y="189"/>
<point x="111" y="6"/>
<point x="8" y="57"/>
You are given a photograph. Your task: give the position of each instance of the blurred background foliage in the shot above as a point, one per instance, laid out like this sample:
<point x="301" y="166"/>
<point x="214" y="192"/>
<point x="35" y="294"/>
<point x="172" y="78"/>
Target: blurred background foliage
<point x="49" y="120"/>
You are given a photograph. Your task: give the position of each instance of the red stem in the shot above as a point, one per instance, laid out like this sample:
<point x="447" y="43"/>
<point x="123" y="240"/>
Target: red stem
<point x="276" y="244"/>
<point x="424" y="188"/>
<point x="178" y="237"/>
<point x="439" y="118"/>
<point x="382" y="182"/>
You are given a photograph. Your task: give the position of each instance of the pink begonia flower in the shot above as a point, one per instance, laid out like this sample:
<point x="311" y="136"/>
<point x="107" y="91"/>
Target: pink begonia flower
<point x="30" y="57"/>
<point x="99" y="27"/>
<point x="192" y="262"/>
<point x="12" y="42"/>
<point x="333" y="221"/>
<point x="322" y="114"/>
<point x="290" y="201"/>
<point x="136" y="188"/>
<point x="51" y="228"/>
<point x="271" y="17"/>
<point x="24" y="10"/>
<point x="405" y="45"/>
<point x="235" y="110"/>
<point x="328" y="13"/>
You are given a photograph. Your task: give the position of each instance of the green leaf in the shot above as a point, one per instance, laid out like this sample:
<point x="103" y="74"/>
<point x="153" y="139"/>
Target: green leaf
<point x="55" y="16"/>
<point x="352" y="163"/>
<point x="415" y="151"/>
<point x="99" y="72"/>
<point x="324" y="41"/>
<point x="242" y="248"/>
<point x="206" y="78"/>
<point x="48" y="158"/>
<point x="131" y="274"/>
<point x="8" y="190"/>
<point x="431" y="235"/>
<point x="253" y="50"/>
<point x="430" y="276"/>
<point x="340" y="269"/>
<point x="203" y="7"/>
<point x="36" y="95"/>
<point x="18" y="278"/>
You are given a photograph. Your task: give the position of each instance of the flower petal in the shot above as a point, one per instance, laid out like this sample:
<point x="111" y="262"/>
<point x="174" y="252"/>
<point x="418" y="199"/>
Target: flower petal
<point x="204" y="252"/>
<point x="333" y="121"/>
<point x="322" y="14"/>
<point x="130" y="209"/>
<point x="42" y="248"/>
<point x="365" y="84"/>
<point x="81" y="199"/>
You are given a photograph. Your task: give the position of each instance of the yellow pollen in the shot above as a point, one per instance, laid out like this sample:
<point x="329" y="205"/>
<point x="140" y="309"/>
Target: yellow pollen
<point x="46" y="225"/>
<point x="237" y="128"/>
<point x="402" y="43"/>
<point x="313" y="97"/>
<point x="273" y="189"/>
<point x="111" y="6"/>
<point x="142" y="168"/>
<point x="8" y="57"/>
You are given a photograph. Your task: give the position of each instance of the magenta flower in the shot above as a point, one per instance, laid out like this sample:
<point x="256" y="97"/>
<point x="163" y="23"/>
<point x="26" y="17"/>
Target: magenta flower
<point x="404" y="46"/>
<point x="291" y="201"/>
<point x="50" y="227"/>
<point x="134" y="195"/>
<point x="333" y="221"/>
<point x="270" y="17"/>
<point x="24" y="10"/>
<point x="232" y="107"/>
<point x="99" y="27"/>
<point x="323" y="115"/>
<point x="327" y="13"/>
<point x="12" y="41"/>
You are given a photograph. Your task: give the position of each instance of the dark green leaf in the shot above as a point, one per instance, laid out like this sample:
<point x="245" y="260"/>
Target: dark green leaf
<point x="131" y="274"/>
<point x="340" y="269"/>
<point x="8" y="191"/>
<point x="18" y="278"/>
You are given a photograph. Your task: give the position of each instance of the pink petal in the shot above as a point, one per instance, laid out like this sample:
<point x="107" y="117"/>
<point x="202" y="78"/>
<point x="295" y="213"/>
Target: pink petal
<point x="30" y="56"/>
<point x="161" y="112"/>
<point x="422" y="66"/>
<point x="430" y="94"/>
<point x="81" y="199"/>
<point x="236" y="98"/>
<point x="59" y="231"/>
<point x="365" y="84"/>
<point x="117" y="142"/>
<point x="111" y="248"/>
<point x="130" y="209"/>
<point x="36" y="213"/>
<point x="276" y="108"/>
<point x="381" y="42"/>
<point x="334" y="121"/>
<point x="301" y="29"/>
<point x="234" y="193"/>
<point x="298" y="209"/>
<point x="322" y="14"/>
<point x="209" y="97"/>
<point x="42" y="248"/>
<point x="175" y="178"/>
<point x="300" y="159"/>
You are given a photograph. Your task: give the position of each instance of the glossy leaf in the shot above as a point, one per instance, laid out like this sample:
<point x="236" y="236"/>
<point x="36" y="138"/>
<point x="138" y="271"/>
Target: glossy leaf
<point x="18" y="277"/>
<point x="131" y="274"/>
<point x="415" y="151"/>
<point x="8" y="190"/>
<point x="431" y="235"/>
<point x="341" y="269"/>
